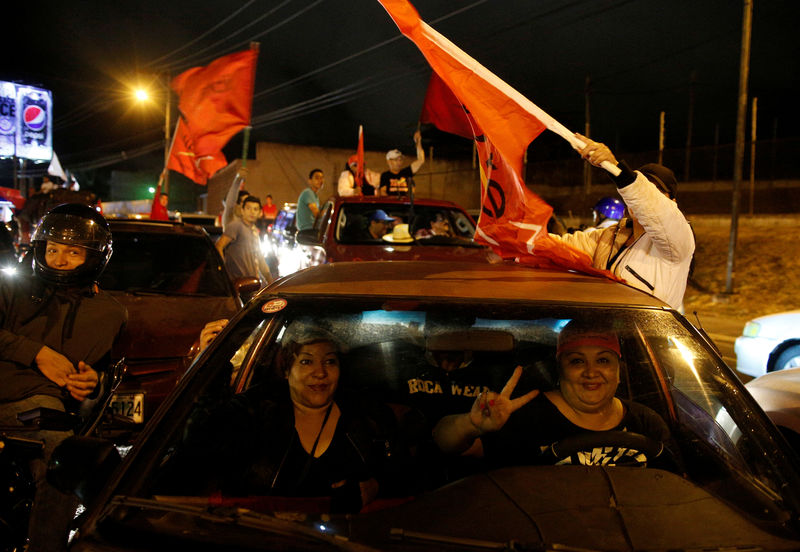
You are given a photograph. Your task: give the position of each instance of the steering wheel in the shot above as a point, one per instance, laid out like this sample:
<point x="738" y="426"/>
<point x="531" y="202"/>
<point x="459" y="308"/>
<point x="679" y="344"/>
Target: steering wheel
<point x="568" y="446"/>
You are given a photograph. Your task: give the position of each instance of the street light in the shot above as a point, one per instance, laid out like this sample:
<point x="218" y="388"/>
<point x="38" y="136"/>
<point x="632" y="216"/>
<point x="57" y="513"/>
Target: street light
<point x="143" y="95"/>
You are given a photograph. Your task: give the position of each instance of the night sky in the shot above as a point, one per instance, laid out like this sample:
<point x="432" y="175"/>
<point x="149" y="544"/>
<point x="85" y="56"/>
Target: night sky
<point x="326" y="66"/>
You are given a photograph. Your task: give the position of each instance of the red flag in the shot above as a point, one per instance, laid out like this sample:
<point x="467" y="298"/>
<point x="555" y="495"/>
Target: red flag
<point x="513" y="219"/>
<point x="184" y="159"/>
<point x="216" y="100"/>
<point x="360" y="157"/>
<point x="443" y="110"/>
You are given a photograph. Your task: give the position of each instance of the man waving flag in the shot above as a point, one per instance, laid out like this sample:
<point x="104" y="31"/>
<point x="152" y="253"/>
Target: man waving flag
<point x="513" y="219"/>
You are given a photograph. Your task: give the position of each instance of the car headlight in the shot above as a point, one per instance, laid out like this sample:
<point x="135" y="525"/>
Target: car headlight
<point x="751" y="329"/>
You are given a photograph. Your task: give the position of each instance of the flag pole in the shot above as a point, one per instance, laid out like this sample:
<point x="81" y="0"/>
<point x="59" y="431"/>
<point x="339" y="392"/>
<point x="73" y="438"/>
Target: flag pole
<point x="246" y="139"/>
<point x="549" y="122"/>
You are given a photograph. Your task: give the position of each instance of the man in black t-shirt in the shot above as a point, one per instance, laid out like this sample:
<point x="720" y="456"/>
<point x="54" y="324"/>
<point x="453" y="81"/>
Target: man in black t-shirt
<point x="398" y="179"/>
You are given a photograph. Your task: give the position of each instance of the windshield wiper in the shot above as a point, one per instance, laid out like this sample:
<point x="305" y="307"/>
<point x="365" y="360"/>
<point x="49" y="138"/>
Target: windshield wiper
<point x="398" y="534"/>
<point x="278" y="528"/>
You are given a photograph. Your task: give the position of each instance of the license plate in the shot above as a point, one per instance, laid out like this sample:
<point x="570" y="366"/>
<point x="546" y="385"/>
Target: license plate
<point x="129" y="406"/>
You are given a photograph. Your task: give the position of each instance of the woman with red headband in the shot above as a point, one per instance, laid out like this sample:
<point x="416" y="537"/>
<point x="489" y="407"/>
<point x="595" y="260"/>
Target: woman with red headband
<point x="583" y="404"/>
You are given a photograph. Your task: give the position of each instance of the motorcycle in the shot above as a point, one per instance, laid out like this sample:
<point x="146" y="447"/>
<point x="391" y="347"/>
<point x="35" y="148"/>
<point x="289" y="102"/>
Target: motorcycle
<point x="17" y="486"/>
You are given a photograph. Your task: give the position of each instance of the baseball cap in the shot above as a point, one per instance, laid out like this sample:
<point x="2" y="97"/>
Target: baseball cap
<point x="662" y="177"/>
<point x="394" y="154"/>
<point x="381" y="215"/>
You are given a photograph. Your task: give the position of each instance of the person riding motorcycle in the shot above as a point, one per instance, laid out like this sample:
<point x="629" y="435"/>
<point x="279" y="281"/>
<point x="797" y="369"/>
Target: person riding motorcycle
<point x="56" y="331"/>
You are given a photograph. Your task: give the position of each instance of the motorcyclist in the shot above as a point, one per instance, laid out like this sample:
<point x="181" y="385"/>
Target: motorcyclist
<point x="607" y="212"/>
<point x="56" y="332"/>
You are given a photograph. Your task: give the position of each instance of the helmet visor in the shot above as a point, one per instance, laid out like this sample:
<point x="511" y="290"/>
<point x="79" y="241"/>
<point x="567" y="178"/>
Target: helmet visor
<point x="72" y="230"/>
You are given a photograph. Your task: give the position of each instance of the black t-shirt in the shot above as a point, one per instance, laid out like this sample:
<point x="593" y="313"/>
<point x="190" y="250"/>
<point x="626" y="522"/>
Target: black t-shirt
<point x="534" y="427"/>
<point x="397" y="183"/>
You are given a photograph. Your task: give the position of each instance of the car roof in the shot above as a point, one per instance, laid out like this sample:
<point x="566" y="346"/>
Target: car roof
<point x="153" y="227"/>
<point x="429" y="279"/>
<point x="397" y="201"/>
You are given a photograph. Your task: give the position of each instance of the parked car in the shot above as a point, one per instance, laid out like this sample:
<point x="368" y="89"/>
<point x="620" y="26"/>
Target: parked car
<point x="769" y="344"/>
<point x="339" y="233"/>
<point x="734" y="489"/>
<point x="778" y="393"/>
<point x="172" y="280"/>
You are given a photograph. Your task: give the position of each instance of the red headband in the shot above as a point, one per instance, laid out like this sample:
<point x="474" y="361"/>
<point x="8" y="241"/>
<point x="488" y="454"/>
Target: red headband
<point x="604" y="340"/>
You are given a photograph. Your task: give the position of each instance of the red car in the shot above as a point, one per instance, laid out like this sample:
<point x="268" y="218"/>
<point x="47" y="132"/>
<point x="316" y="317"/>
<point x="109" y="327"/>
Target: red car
<point x="172" y="280"/>
<point x="428" y="229"/>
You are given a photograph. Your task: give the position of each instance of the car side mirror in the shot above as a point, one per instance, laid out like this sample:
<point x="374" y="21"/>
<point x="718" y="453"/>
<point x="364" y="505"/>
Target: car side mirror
<point x="82" y="466"/>
<point x="245" y="287"/>
<point x="307" y="237"/>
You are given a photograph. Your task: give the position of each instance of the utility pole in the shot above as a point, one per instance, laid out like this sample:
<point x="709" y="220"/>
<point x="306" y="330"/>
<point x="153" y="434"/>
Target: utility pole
<point x="753" y="153"/>
<point x="661" y="139"/>
<point x="167" y="141"/>
<point x="744" y="68"/>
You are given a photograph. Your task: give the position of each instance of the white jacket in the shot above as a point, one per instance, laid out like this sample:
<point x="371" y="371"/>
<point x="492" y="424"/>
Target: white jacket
<point x="658" y="262"/>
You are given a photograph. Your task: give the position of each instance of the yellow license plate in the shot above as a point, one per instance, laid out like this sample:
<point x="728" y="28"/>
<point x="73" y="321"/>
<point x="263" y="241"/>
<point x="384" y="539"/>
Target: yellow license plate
<point x="129" y="405"/>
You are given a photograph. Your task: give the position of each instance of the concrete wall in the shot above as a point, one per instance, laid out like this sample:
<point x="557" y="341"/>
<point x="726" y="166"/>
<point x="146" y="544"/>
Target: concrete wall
<point x="282" y="171"/>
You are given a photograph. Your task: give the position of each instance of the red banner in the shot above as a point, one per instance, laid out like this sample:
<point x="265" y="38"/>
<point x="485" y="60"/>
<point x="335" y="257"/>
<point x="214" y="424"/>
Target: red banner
<point x="216" y="100"/>
<point x="443" y="110"/>
<point x="185" y="160"/>
<point x="513" y="220"/>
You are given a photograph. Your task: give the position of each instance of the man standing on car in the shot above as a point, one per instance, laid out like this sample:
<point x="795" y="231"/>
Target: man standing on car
<point x="240" y="245"/>
<point x="398" y="179"/>
<point x="308" y="201"/>
<point x="56" y="332"/>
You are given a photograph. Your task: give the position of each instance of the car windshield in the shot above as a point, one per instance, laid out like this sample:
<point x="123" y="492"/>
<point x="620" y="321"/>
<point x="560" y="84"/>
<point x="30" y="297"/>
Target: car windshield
<point x="418" y="361"/>
<point x="427" y="224"/>
<point x="164" y="263"/>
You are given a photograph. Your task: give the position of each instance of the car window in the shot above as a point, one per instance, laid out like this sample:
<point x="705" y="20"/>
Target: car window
<point x="392" y="354"/>
<point x="164" y="263"/>
<point x="353" y="222"/>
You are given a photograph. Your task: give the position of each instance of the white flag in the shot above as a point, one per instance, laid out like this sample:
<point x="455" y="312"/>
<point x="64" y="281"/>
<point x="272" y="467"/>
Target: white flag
<point x="55" y="169"/>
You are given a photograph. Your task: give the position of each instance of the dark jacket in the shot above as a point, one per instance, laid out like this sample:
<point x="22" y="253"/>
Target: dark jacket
<point x="75" y="322"/>
<point x="240" y="447"/>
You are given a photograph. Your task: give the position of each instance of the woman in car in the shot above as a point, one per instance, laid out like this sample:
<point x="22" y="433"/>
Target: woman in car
<point x="298" y="437"/>
<point x="584" y="401"/>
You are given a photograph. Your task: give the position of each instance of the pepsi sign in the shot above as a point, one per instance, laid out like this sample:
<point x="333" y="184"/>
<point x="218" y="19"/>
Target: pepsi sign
<point x="34" y="136"/>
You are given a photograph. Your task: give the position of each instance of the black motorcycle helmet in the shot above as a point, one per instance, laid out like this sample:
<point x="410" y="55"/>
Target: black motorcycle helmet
<point x="72" y="224"/>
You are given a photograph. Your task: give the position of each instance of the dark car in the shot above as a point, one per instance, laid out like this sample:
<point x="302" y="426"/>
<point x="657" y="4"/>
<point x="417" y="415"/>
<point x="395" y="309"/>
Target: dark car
<point x="705" y="486"/>
<point x="340" y="232"/>
<point x="172" y="280"/>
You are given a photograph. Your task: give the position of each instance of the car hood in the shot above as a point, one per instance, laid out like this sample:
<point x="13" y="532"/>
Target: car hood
<point x="522" y="508"/>
<point x="163" y="326"/>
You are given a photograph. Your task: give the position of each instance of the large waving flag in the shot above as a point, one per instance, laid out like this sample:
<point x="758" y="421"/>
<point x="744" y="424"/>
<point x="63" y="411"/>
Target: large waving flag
<point x="513" y="219"/>
<point x="184" y="159"/>
<point x="215" y="101"/>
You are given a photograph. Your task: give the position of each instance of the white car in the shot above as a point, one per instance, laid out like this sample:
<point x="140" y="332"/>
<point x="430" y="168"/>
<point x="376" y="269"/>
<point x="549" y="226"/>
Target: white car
<point x="769" y="344"/>
<point x="778" y="393"/>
